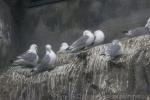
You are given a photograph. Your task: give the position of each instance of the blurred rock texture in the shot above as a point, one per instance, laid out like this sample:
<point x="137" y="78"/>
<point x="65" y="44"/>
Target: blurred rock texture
<point x="65" y="21"/>
<point x="6" y="30"/>
<point x="91" y="76"/>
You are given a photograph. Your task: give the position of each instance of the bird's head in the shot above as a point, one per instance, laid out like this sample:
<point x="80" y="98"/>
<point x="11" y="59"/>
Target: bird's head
<point x="99" y="33"/>
<point x="116" y="42"/>
<point x="148" y="23"/>
<point x="64" y="44"/>
<point x="33" y="47"/>
<point x="48" y="47"/>
<point x="87" y="32"/>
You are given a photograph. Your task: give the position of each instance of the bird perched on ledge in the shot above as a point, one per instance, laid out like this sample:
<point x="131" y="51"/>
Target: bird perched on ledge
<point x="63" y="47"/>
<point x="139" y="30"/>
<point x="29" y="58"/>
<point x="84" y="41"/>
<point x="114" y="49"/>
<point x="48" y="61"/>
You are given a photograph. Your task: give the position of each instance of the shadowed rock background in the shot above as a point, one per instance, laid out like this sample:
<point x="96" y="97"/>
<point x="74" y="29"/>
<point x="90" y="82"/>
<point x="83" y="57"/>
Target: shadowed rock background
<point x="23" y="22"/>
<point x="65" y="20"/>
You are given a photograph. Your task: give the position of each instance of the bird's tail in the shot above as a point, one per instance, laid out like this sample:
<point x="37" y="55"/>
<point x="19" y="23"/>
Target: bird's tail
<point x="11" y="61"/>
<point x="71" y="49"/>
<point x="124" y="31"/>
<point x="58" y="52"/>
<point x="15" y="62"/>
<point x="36" y="68"/>
<point x="68" y="49"/>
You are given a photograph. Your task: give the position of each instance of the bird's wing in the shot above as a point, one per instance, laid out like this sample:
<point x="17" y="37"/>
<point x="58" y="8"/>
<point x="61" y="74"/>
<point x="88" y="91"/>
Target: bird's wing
<point x="29" y="56"/>
<point x="139" y="31"/>
<point x="81" y="42"/>
<point x="45" y="61"/>
<point x="114" y="50"/>
<point x="43" y="66"/>
<point x="20" y="56"/>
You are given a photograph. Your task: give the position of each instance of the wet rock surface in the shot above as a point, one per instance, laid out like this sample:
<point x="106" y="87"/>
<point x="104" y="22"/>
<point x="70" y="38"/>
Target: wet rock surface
<point x="88" y="77"/>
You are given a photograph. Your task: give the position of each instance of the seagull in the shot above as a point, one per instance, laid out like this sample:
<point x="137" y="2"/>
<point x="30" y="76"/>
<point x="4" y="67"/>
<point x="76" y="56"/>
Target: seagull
<point x="47" y="62"/>
<point x="114" y="49"/>
<point x="29" y="58"/>
<point x="139" y="30"/>
<point x="84" y="41"/>
<point x="99" y="37"/>
<point x="63" y="47"/>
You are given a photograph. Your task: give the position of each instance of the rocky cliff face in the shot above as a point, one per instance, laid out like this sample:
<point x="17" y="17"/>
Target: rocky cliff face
<point x="91" y="76"/>
<point x="88" y="77"/>
<point x="6" y="30"/>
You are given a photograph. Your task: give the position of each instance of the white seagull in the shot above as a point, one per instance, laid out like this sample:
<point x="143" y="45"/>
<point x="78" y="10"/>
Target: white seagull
<point x="47" y="62"/>
<point x="139" y="30"/>
<point x="84" y="41"/>
<point x="114" y="49"/>
<point x="29" y="58"/>
<point x="63" y="47"/>
<point x="99" y="37"/>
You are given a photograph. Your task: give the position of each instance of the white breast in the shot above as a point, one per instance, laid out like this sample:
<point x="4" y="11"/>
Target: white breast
<point x="63" y="49"/>
<point x="53" y="58"/>
<point x="99" y="38"/>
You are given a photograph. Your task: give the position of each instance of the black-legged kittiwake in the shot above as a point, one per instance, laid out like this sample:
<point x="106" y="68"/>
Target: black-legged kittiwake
<point x="139" y="30"/>
<point x="63" y="47"/>
<point x="29" y="58"/>
<point x="47" y="62"/>
<point x="114" y="49"/>
<point x="98" y="37"/>
<point x="85" y="40"/>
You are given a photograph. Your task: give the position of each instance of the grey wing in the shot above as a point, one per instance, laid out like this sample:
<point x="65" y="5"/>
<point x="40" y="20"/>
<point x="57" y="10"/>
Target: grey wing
<point x="114" y="50"/>
<point x="44" y="65"/>
<point x="45" y="61"/>
<point x="31" y="57"/>
<point x="20" y="56"/>
<point x="81" y="42"/>
<point x="139" y="31"/>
